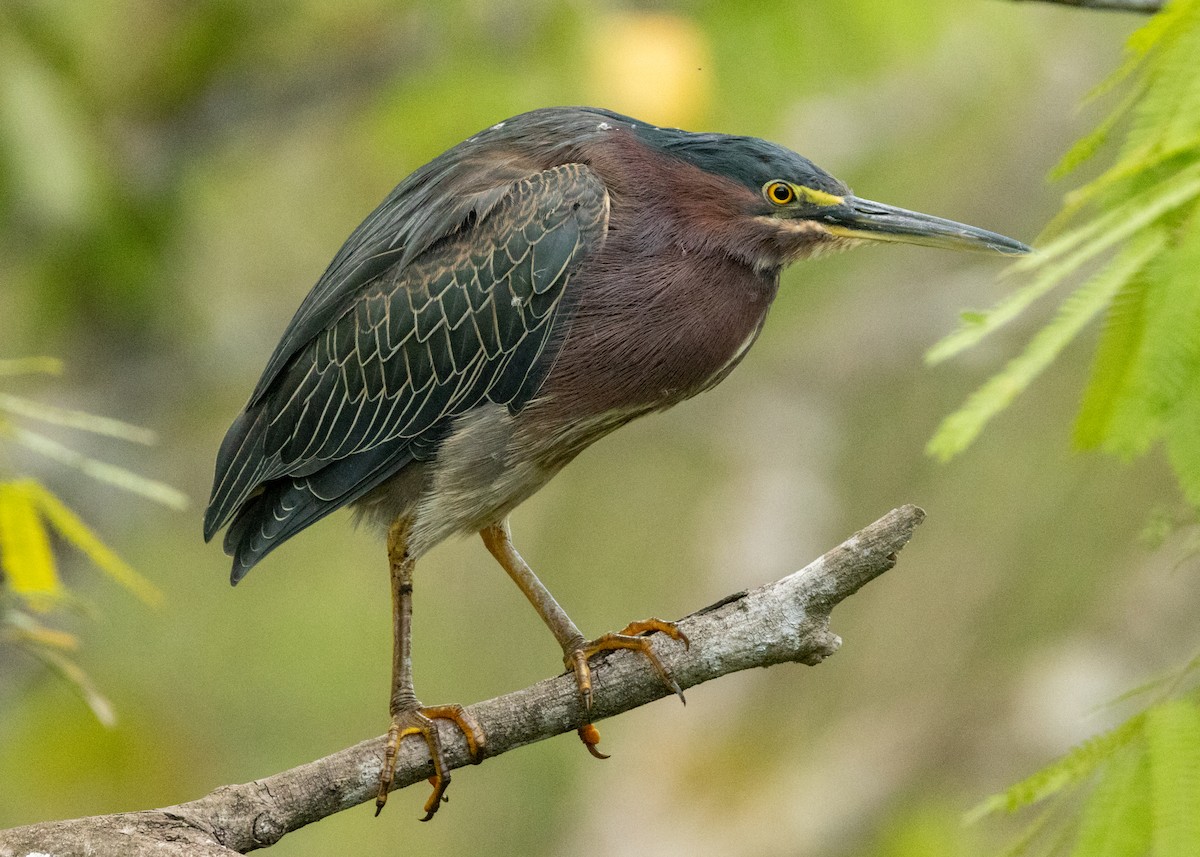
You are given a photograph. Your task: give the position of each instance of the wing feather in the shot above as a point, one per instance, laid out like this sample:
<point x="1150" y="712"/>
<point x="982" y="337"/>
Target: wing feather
<point x="412" y="345"/>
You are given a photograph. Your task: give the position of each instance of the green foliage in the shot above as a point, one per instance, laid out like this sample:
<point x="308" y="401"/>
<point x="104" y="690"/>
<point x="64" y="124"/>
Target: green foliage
<point x="1143" y="790"/>
<point x="31" y="588"/>
<point x="1138" y="226"/>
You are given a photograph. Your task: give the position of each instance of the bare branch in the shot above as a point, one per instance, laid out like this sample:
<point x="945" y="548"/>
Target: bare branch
<point x="1147" y="7"/>
<point x="783" y="621"/>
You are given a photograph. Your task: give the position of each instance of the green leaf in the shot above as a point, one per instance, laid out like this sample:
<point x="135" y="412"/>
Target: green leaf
<point x="1183" y="443"/>
<point x="1116" y="821"/>
<point x="1121" y="221"/>
<point x="25" y="555"/>
<point x="101" y="471"/>
<point x="1086" y="147"/>
<point x="21" y="628"/>
<point x="1086" y="242"/>
<point x="70" y="672"/>
<point x="959" y="429"/>
<point x="1065" y="773"/>
<point x="1173" y="735"/>
<point x="76" y="419"/>
<point x="1130" y="172"/>
<point x="1119" y="346"/>
<point x="30" y="366"/>
<point x="74" y="530"/>
<point x="1163" y="365"/>
<point x="1169" y="114"/>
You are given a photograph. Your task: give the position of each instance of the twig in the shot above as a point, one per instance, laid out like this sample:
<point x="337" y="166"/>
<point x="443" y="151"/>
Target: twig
<point x="1147" y="7"/>
<point x="783" y="621"/>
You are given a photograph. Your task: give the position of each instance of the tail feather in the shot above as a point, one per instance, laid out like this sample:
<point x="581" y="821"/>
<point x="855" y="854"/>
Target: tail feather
<point x="238" y="471"/>
<point x="286" y="506"/>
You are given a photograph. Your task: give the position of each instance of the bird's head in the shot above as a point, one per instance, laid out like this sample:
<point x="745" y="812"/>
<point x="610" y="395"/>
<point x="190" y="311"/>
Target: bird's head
<point x="784" y="207"/>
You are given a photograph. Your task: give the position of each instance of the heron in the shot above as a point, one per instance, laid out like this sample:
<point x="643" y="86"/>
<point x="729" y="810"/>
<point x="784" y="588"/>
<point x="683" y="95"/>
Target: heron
<point x="522" y="295"/>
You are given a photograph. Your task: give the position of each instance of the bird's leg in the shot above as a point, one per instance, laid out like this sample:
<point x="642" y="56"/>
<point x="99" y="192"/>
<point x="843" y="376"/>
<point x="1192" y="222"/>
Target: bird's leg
<point x="576" y="649"/>
<point x="409" y="717"/>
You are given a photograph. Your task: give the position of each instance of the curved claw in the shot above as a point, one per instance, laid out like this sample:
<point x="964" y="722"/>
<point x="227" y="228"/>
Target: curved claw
<point x="419" y="721"/>
<point x="590" y="736"/>
<point x="630" y="637"/>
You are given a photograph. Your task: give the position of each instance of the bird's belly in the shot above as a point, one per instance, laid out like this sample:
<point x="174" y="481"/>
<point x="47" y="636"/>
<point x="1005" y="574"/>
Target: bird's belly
<point x="490" y="463"/>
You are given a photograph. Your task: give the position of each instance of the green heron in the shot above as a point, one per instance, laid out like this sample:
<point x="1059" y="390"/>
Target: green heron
<point x="515" y="299"/>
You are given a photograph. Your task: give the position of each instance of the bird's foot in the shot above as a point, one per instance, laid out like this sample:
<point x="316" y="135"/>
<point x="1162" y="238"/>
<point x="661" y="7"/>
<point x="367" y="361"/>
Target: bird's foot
<point x="630" y="637"/>
<point x="419" y="720"/>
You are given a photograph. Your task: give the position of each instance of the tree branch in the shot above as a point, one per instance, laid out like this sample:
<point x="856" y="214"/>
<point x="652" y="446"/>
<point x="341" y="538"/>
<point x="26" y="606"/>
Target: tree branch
<point x="787" y="620"/>
<point x="1148" y="7"/>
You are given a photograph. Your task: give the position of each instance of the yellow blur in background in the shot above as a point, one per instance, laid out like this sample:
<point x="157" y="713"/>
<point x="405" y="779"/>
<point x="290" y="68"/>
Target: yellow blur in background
<point x="654" y="66"/>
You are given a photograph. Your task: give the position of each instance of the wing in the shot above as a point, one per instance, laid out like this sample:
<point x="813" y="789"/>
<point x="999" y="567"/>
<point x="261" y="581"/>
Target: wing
<point x="470" y="319"/>
<point x="433" y="202"/>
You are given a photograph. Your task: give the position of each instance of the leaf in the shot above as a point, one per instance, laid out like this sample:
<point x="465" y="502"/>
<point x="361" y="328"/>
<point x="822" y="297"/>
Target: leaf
<point x="1087" y="146"/>
<point x="1116" y="820"/>
<point x="23" y="629"/>
<point x="1065" y="773"/>
<point x="1039" y="827"/>
<point x="1183" y="444"/>
<point x="101" y="471"/>
<point x="70" y="672"/>
<point x="25" y="554"/>
<point x="76" y="420"/>
<point x="1163" y="367"/>
<point x="1170" y="111"/>
<point x="1122" y="220"/>
<point x="1142" y="42"/>
<point x="959" y="429"/>
<point x="1173" y="736"/>
<point x="1171" y="346"/>
<point x="1164" y="685"/>
<point x="75" y="531"/>
<point x="30" y="366"/>
<point x="1132" y="171"/>
<point x="1119" y="345"/>
<point x="1087" y="242"/>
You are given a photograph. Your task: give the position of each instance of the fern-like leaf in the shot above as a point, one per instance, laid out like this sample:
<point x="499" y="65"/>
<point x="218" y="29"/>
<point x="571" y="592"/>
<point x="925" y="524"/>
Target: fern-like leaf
<point x="101" y="471"/>
<point x="1116" y="821"/>
<point x="1126" y="216"/>
<point x="1078" y="246"/>
<point x="959" y="429"/>
<point x="21" y="628"/>
<point x="1183" y="443"/>
<point x="1066" y="773"/>
<point x="1119" y="346"/>
<point x="1173" y="736"/>
<point x="80" y="682"/>
<point x="1170" y="112"/>
<point x="76" y="420"/>
<point x="1119" y="183"/>
<point x="1086" y="147"/>
<point x="72" y="528"/>
<point x="31" y="366"/>
<point x="25" y="555"/>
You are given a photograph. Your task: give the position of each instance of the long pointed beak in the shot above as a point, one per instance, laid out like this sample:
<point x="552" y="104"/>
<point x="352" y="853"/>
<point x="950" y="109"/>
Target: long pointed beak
<point x="875" y="221"/>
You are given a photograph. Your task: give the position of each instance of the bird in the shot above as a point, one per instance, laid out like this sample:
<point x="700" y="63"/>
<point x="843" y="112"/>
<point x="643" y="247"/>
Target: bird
<point x="525" y="293"/>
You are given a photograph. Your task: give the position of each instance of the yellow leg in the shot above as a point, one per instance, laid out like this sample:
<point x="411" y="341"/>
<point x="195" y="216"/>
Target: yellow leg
<point x="409" y="717"/>
<point x="576" y="649"/>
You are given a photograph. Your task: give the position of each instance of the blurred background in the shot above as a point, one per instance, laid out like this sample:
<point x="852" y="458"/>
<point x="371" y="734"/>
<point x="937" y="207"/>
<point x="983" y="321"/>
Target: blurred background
<point x="174" y="176"/>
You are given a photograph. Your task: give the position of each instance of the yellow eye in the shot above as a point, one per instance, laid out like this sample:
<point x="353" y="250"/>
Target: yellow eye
<point x="780" y="193"/>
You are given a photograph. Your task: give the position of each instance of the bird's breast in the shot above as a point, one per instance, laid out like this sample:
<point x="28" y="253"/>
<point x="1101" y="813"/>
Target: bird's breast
<point x="647" y="334"/>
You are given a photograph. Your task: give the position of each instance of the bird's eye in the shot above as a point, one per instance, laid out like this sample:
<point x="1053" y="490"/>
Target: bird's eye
<point x="780" y="193"/>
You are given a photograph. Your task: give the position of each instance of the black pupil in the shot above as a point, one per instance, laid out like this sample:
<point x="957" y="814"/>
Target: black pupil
<point x="781" y="193"/>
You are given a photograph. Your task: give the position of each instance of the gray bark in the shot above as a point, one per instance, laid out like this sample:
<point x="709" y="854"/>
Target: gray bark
<point x="784" y="621"/>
